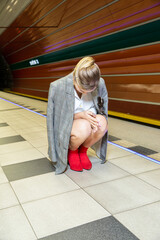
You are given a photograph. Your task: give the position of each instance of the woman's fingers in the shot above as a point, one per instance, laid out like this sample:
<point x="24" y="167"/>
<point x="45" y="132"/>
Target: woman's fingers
<point x="94" y="124"/>
<point x="93" y="120"/>
<point x="91" y="117"/>
<point x="91" y="114"/>
<point x="95" y="128"/>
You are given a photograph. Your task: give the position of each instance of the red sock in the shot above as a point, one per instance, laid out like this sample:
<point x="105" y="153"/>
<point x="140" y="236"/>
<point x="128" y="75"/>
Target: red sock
<point x="74" y="160"/>
<point x="86" y="163"/>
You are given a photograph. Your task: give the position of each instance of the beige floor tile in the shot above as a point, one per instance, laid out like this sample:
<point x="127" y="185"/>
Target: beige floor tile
<point x="6" y="105"/>
<point x="7" y="196"/>
<point x="31" y="130"/>
<point x="134" y="164"/>
<point x="5" y="129"/>
<point x="123" y="194"/>
<point x="152" y="177"/>
<point x="20" y="156"/>
<point x="41" y="142"/>
<point x="155" y="156"/>
<point x="41" y="186"/>
<point x="14" y="147"/>
<point x="138" y="134"/>
<point x="7" y="132"/>
<point x="14" y="225"/>
<point x="43" y="150"/>
<point x="20" y="126"/>
<point x="124" y="143"/>
<point x="35" y="135"/>
<point x="3" y="178"/>
<point x="116" y="152"/>
<point x="62" y="212"/>
<point x="143" y="221"/>
<point x="98" y="174"/>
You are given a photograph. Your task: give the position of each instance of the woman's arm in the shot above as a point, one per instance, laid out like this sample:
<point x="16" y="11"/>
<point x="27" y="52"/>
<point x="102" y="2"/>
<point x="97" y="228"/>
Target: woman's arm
<point x="79" y="115"/>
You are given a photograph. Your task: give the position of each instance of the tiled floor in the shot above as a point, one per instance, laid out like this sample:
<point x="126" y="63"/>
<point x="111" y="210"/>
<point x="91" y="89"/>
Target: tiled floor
<point x="118" y="200"/>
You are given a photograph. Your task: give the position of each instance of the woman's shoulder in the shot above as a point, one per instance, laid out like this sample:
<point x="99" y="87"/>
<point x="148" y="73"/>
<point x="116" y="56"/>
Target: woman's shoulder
<point x="61" y="81"/>
<point x="58" y="82"/>
<point x="101" y="82"/>
<point x="102" y="85"/>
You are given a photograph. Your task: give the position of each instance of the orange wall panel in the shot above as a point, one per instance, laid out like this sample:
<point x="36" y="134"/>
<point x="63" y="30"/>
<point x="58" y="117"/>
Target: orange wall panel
<point x="131" y="73"/>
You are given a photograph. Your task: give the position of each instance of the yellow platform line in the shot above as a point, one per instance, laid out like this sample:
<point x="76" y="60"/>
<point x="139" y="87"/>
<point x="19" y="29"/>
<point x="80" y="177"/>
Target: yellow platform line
<point x="26" y="95"/>
<point x="110" y="113"/>
<point x="134" y="118"/>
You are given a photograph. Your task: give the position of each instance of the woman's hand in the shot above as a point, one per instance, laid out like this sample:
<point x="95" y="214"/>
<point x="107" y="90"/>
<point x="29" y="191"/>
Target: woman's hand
<point x="91" y="117"/>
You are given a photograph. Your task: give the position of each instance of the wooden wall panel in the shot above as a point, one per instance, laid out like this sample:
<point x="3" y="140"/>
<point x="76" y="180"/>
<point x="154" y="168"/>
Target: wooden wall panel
<point x="132" y="79"/>
<point x="36" y="10"/>
<point x="31" y="92"/>
<point x="111" y="23"/>
<point x="138" y="96"/>
<point x="135" y="108"/>
<point x="42" y="28"/>
<point x="131" y="73"/>
<point x="132" y="69"/>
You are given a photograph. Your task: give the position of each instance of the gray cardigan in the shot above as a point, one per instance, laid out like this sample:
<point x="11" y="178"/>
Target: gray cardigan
<point x="60" y="112"/>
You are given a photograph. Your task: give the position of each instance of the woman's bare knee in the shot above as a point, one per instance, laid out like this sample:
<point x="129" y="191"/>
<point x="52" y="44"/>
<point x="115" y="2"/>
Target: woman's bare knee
<point x="81" y="130"/>
<point x="102" y="122"/>
<point x="81" y="127"/>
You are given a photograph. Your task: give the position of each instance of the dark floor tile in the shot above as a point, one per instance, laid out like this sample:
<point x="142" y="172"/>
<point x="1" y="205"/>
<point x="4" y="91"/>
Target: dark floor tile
<point x="11" y="139"/>
<point x="28" y="169"/>
<point x="142" y="150"/>
<point x="3" y="125"/>
<point x="104" y="229"/>
<point x="40" y="111"/>
<point x="112" y="138"/>
<point x="22" y="104"/>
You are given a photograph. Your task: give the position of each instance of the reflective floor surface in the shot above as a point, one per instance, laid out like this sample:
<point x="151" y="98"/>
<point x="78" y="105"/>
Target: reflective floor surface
<point x="118" y="200"/>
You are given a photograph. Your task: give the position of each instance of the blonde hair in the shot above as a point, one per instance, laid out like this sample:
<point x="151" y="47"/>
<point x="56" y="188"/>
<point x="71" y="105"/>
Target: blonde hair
<point x="87" y="73"/>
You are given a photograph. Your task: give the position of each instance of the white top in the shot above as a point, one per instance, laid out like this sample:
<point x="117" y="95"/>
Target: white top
<point x="85" y="103"/>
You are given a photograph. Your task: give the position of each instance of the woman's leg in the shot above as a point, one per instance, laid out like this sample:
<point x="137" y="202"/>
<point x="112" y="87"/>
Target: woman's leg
<point x="95" y="137"/>
<point x="83" y="135"/>
<point x="92" y="138"/>
<point x="81" y="130"/>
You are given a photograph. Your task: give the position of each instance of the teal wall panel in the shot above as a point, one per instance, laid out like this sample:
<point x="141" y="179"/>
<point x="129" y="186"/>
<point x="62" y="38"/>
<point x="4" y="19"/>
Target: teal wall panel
<point x="143" y="34"/>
